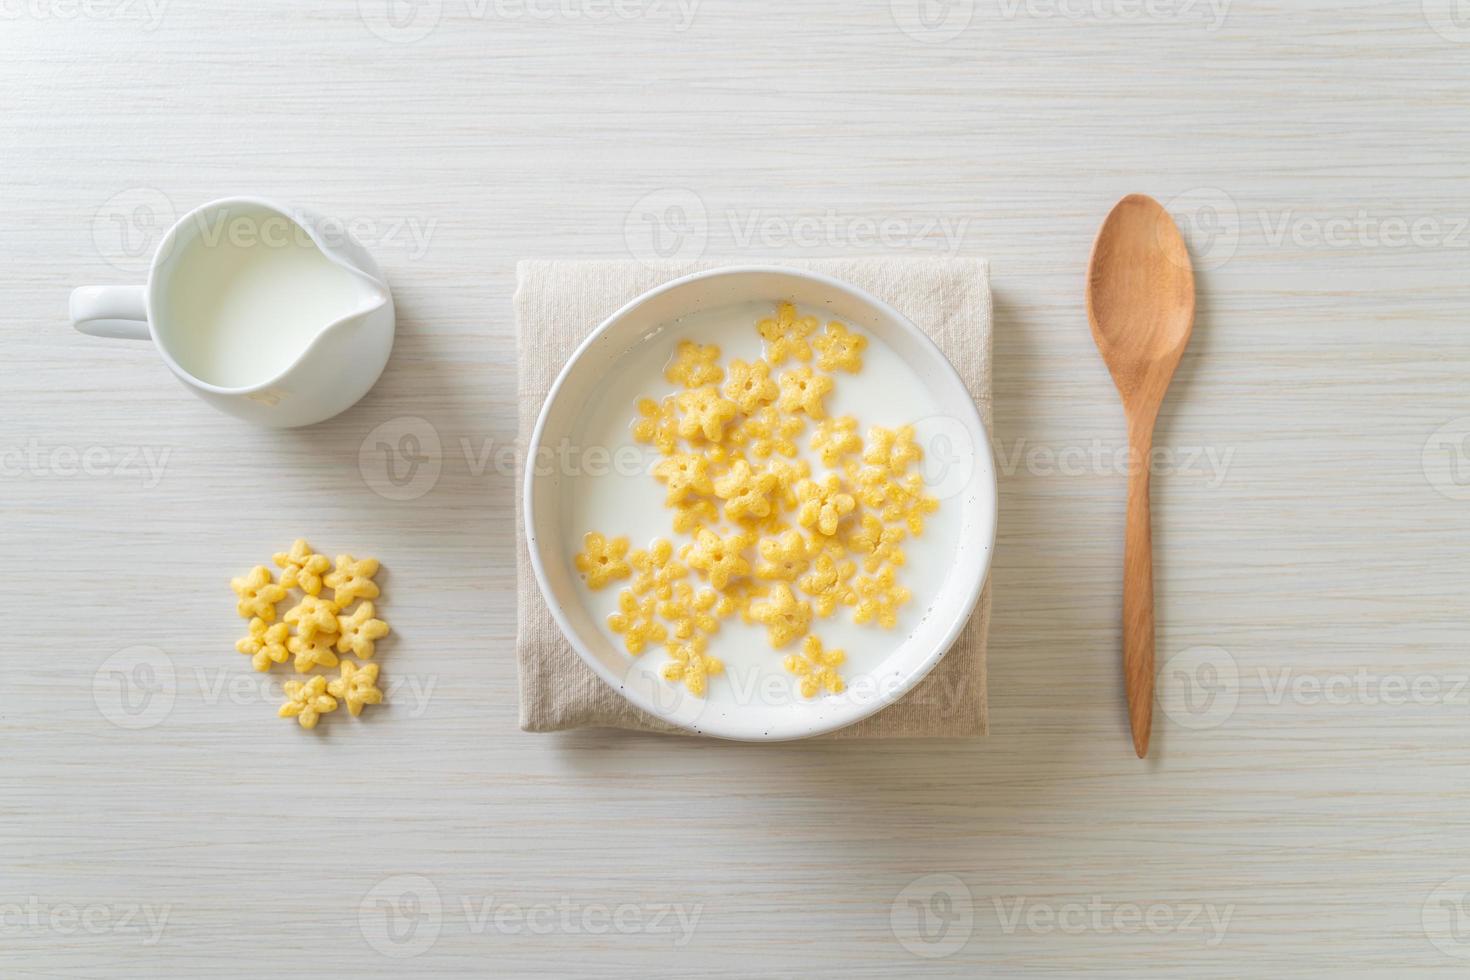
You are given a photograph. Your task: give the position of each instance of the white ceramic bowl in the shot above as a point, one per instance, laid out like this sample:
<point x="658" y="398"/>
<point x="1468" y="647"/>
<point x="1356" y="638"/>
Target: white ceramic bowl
<point x="760" y="716"/>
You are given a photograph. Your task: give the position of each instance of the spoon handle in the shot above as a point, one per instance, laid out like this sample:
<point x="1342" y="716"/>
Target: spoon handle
<point x="1138" y="591"/>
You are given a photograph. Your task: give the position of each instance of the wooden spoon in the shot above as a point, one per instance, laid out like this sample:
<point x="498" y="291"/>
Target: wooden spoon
<point x="1140" y="299"/>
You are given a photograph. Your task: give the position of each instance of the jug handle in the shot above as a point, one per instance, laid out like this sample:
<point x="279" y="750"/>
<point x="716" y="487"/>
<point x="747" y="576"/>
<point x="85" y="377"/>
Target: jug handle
<point x="118" y="312"/>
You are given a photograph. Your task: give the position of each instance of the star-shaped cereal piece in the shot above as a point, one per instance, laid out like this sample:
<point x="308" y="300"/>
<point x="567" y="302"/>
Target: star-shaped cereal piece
<point x="636" y="622"/>
<point x="694" y="514"/>
<point x="783" y="558"/>
<point x="827" y="584"/>
<point x="739" y="596"/>
<point x="881" y="492"/>
<point x="840" y="349"/>
<point x="360" y="632"/>
<point x="917" y="504"/>
<point x="746" y="492"/>
<point x="750" y="385"/>
<point x="301" y="568"/>
<point x="692" y="665"/>
<point x="352" y="579"/>
<point x="657" y="424"/>
<point x="769" y="431"/>
<point x="312" y="652"/>
<point x="823" y="504"/>
<point x="802" y="390"/>
<point x="684" y="474"/>
<point x="265" y="645"/>
<point x="836" y="438"/>
<point x="786" y="334"/>
<point x="690" y="612"/>
<point x="307" y="701"/>
<point x="602" y="560"/>
<point x="875" y="543"/>
<point x="705" y="413"/>
<point x="784" y="616"/>
<point x="694" y="365"/>
<point x="313" y="615"/>
<point x="657" y="570"/>
<point x="892" y="449"/>
<point x="816" y="668"/>
<point x="879" y="598"/>
<point x="789" y="473"/>
<point x="718" y="558"/>
<point x="257" y="594"/>
<point x="358" y="686"/>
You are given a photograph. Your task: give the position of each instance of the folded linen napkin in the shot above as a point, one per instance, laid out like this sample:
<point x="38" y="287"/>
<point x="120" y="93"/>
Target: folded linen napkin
<point x="558" y="303"/>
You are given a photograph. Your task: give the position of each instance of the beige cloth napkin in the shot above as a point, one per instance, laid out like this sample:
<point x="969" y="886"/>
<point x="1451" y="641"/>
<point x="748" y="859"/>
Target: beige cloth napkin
<point x="558" y="303"/>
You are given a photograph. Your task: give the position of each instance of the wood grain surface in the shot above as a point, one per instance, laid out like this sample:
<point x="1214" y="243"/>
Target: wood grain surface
<point x="1303" y="809"/>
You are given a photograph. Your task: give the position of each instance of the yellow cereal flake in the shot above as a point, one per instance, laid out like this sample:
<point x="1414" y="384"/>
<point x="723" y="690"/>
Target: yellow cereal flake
<point x="657" y="570"/>
<point x="602" y="560"/>
<point x="788" y="474"/>
<point x="694" y="365"/>
<point x="265" y="645"/>
<point x="357" y="685"/>
<point x="746" y="492"/>
<point x="690" y="517"/>
<point x="786" y="335"/>
<point x="258" y="594"/>
<point x="740" y="595"/>
<point x="785" y="617"/>
<point x="750" y="385"/>
<point x="692" y="665"/>
<point x="876" y="543"/>
<point x="684" y="474"/>
<point x="351" y="580"/>
<point x="802" y="390"/>
<point x="705" y="413"/>
<point x="836" y="438"/>
<point x="637" y="622"/>
<point x="690" y="612"/>
<point x="823" y="504"/>
<point x="879" y="598"/>
<point x="840" y="349"/>
<point x="816" y="668"/>
<point x="360" y="632"/>
<point x="892" y="449"/>
<point x="313" y="615"/>
<point x="657" y="424"/>
<point x="313" y="651"/>
<point x="769" y="432"/>
<point x="301" y="568"/>
<point x="827" y="584"/>
<point x="784" y="558"/>
<point x="307" y="701"/>
<point x="719" y="559"/>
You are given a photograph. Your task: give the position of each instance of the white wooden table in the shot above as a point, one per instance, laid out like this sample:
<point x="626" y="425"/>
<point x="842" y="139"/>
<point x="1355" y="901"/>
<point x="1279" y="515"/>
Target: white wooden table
<point x="1305" y="811"/>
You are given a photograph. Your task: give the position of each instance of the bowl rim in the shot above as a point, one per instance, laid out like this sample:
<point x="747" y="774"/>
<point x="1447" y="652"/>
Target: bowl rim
<point x="983" y="450"/>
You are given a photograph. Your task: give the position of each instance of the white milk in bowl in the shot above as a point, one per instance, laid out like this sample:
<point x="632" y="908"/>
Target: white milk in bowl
<point x="609" y="489"/>
<point x="246" y="296"/>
